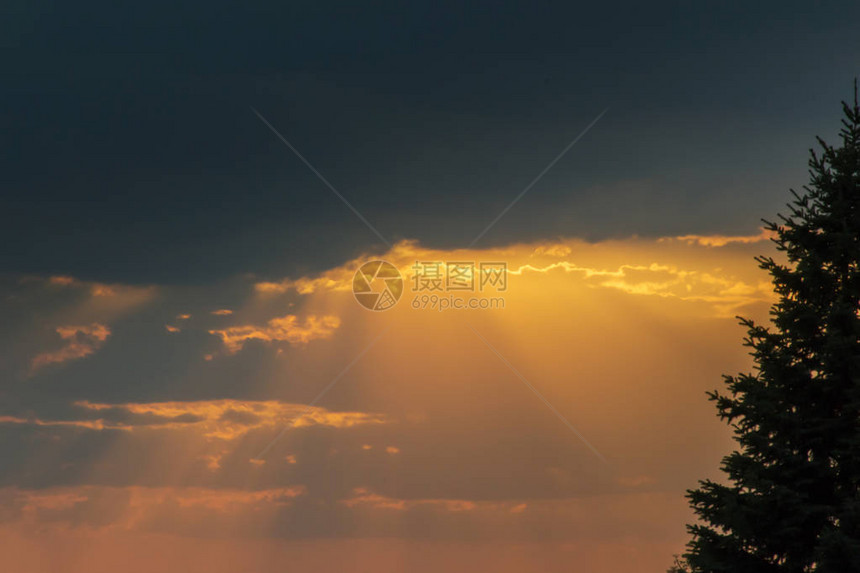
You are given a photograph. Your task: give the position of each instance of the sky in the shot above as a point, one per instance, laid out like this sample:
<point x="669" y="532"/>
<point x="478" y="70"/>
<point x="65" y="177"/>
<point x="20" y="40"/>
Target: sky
<point x="188" y="381"/>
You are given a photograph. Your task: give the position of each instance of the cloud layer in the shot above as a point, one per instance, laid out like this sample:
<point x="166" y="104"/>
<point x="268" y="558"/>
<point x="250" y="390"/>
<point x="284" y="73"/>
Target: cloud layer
<point x="131" y="410"/>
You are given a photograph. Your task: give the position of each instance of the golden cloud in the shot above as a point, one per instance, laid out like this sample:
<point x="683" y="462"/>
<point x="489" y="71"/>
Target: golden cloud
<point x="363" y="497"/>
<point x="98" y="289"/>
<point x="142" y="498"/>
<point x="686" y="268"/>
<point x="281" y="329"/>
<point x="721" y="240"/>
<point x="89" y="424"/>
<point x="80" y="341"/>
<point x="222" y="419"/>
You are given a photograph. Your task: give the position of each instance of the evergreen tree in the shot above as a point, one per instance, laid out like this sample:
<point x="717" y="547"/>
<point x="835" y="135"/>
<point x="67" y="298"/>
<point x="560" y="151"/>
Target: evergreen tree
<point x="791" y="499"/>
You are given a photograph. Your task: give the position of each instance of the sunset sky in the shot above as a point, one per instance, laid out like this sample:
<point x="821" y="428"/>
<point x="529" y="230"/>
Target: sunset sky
<point x="187" y="379"/>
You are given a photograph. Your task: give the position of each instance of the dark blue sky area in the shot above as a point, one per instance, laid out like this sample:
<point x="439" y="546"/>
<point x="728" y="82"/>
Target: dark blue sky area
<point x="130" y="152"/>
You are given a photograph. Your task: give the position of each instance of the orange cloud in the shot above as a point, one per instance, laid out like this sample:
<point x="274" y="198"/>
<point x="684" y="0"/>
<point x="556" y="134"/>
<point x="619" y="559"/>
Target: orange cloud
<point x="282" y="329"/>
<point x="722" y="240"/>
<point x="726" y="292"/>
<point x="213" y="419"/>
<point x="80" y="341"/>
<point x="224" y="419"/>
<point x="686" y="268"/>
<point x="97" y="289"/>
<point x="89" y="424"/>
<point x="364" y="497"/>
<point x="63" y="280"/>
<point x="335" y="279"/>
<point x="139" y="501"/>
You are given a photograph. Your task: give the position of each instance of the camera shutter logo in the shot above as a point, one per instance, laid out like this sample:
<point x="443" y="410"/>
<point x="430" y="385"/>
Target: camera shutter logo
<point x="377" y="285"/>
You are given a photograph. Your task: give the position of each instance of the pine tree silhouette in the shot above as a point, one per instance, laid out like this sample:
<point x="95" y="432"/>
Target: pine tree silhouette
<point x="791" y="498"/>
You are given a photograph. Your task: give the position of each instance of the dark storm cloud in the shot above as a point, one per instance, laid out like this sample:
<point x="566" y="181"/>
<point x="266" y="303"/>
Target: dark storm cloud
<point x="130" y="151"/>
